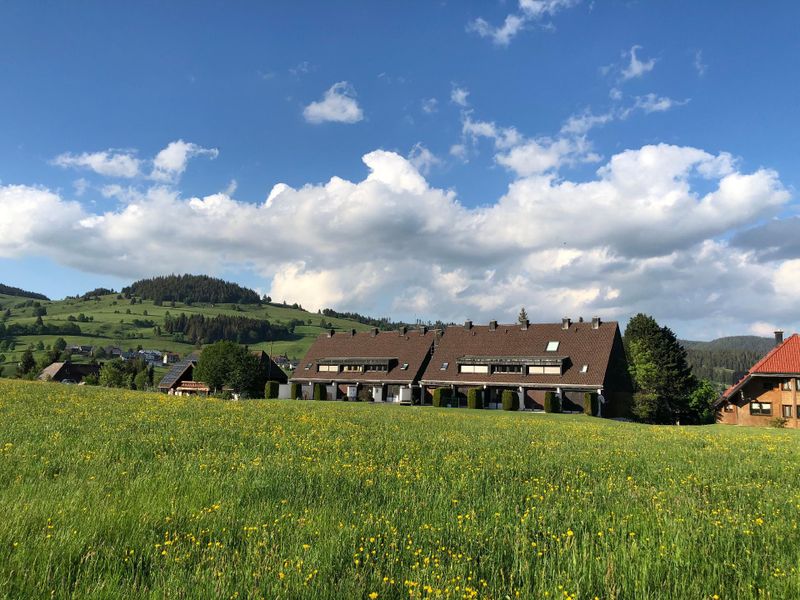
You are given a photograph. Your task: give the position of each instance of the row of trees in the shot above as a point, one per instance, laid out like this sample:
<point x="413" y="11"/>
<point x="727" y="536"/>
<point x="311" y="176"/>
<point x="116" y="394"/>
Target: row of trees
<point x="191" y="289"/>
<point x="198" y="328"/>
<point x="665" y="390"/>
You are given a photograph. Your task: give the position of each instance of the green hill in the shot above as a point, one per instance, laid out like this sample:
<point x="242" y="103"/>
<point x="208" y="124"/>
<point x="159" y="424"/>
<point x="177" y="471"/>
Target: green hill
<point x="111" y="320"/>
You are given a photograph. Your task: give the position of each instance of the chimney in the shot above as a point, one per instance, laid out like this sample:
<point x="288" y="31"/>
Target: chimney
<point x="403" y="330"/>
<point x="565" y="323"/>
<point x="596" y="322"/>
<point x="524" y="325"/>
<point x="423" y="330"/>
<point x="331" y="332"/>
<point x="467" y="324"/>
<point x="778" y="337"/>
<point x="492" y="325"/>
<point x="374" y="332"/>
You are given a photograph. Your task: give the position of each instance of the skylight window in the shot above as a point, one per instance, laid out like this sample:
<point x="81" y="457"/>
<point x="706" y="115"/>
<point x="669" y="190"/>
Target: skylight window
<point x="404" y="367"/>
<point x="584" y="368"/>
<point x="444" y="366"/>
<point x="308" y="366"/>
<point x="552" y="346"/>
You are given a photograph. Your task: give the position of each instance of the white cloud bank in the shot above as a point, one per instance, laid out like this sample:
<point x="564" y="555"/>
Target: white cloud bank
<point x="338" y="105"/>
<point x="638" y="236"/>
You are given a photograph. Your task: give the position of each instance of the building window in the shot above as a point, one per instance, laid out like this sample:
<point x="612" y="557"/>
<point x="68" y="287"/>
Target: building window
<point x="767" y="385"/>
<point x="544" y="370"/>
<point x="328" y="368"/>
<point x="351" y="368"/>
<point x="507" y="369"/>
<point x="308" y="366"/>
<point x="375" y="368"/>
<point x="786" y="385"/>
<point x="474" y="369"/>
<point x="404" y="367"/>
<point x="787" y="411"/>
<point x="798" y="411"/>
<point x="763" y="409"/>
<point x="552" y="346"/>
<point x="728" y="408"/>
<point x="584" y="368"/>
<point x="444" y="366"/>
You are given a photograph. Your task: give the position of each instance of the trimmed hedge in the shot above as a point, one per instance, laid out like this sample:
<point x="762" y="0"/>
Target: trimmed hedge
<point x="590" y="403"/>
<point x="295" y="391"/>
<point x="271" y="389"/>
<point x="510" y="400"/>
<point x="474" y="398"/>
<point x="552" y="403"/>
<point x="320" y="393"/>
<point x="441" y="397"/>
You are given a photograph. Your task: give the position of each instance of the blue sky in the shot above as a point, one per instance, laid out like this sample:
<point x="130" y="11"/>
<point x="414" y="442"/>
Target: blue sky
<point x="574" y="157"/>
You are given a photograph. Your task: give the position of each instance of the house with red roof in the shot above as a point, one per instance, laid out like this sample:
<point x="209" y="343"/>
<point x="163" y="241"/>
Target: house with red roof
<point x="768" y="390"/>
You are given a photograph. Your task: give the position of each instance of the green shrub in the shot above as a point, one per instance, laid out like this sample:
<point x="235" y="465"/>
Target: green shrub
<point x="295" y="391"/>
<point x="510" y="400"/>
<point x="320" y="393"/>
<point x="365" y="395"/>
<point x="590" y="403"/>
<point x="778" y="422"/>
<point x="552" y="403"/>
<point x="271" y="389"/>
<point x="474" y="398"/>
<point x="441" y="397"/>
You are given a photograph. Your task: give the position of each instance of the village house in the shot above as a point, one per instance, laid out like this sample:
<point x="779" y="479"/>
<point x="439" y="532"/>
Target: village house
<point x="179" y="380"/>
<point x="382" y="365"/>
<point x="568" y="359"/>
<point x="68" y="372"/>
<point x="769" y="389"/>
<point x="180" y="372"/>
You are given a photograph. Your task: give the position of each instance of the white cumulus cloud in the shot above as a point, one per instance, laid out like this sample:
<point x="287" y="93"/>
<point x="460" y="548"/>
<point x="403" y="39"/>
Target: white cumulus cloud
<point x="338" y="105"/>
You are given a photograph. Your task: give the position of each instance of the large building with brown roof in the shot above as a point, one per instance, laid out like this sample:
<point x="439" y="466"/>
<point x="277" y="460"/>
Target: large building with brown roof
<point x="768" y="390"/>
<point x="569" y="359"/>
<point x="385" y="365"/>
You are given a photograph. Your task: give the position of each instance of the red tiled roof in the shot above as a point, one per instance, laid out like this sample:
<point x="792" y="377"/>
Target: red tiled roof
<point x="782" y="359"/>
<point x="579" y="344"/>
<point x="412" y="347"/>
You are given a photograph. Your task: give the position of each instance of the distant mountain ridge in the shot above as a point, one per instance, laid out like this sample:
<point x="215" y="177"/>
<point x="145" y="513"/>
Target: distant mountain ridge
<point x="9" y="290"/>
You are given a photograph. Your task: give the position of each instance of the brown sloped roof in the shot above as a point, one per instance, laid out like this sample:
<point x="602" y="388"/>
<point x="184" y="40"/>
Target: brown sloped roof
<point x="578" y="345"/>
<point x="50" y="371"/>
<point x="412" y="347"/>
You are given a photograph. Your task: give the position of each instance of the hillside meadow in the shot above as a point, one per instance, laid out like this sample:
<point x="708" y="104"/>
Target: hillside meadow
<point x="110" y="493"/>
<point x="113" y="324"/>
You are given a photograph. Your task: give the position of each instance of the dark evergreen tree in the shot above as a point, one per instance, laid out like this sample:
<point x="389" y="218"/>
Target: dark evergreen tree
<point x="523" y="316"/>
<point x="662" y="377"/>
<point x="27" y="363"/>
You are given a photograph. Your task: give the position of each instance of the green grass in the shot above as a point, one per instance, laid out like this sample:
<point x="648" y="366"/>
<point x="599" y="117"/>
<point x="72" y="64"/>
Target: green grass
<point x="108" y="493"/>
<point x="112" y="325"/>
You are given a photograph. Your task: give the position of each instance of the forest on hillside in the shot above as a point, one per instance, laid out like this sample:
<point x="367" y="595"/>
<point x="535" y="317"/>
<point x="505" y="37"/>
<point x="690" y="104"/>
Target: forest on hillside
<point x="191" y="289"/>
<point x="207" y="330"/>
<point x="9" y="290"/>
<point x="725" y="360"/>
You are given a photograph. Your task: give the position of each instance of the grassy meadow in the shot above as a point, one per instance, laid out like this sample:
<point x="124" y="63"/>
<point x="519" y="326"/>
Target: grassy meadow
<point x="111" y="493"/>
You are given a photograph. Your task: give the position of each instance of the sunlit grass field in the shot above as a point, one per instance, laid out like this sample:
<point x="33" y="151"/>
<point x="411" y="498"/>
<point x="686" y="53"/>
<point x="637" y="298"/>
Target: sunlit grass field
<point x="109" y="493"/>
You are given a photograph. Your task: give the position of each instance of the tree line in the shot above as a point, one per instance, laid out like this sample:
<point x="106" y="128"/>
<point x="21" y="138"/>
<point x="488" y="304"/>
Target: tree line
<point x="207" y="330"/>
<point x="9" y="290"/>
<point x="191" y="289"/>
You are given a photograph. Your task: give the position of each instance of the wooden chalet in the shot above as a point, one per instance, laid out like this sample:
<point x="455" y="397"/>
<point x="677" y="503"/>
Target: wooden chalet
<point x="769" y="389"/>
